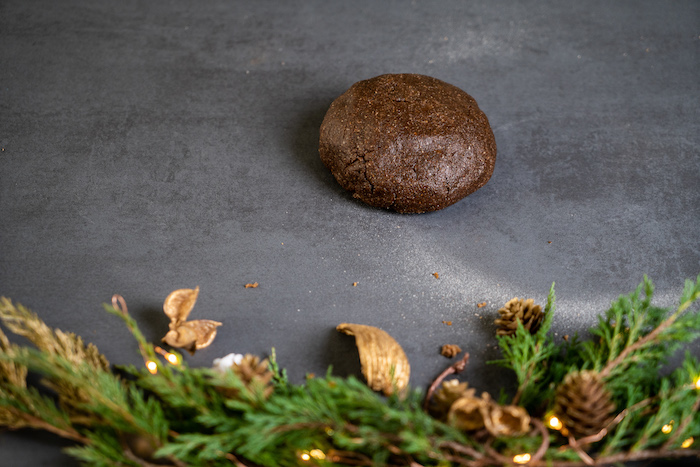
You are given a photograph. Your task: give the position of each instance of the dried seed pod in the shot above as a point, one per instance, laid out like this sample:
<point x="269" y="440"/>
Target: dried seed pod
<point x="188" y="335"/>
<point x="179" y="303"/>
<point x="192" y="335"/>
<point x="468" y="412"/>
<point x="448" y="393"/>
<point x="205" y="329"/>
<point x="182" y="337"/>
<point x="507" y="420"/>
<point x="380" y="354"/>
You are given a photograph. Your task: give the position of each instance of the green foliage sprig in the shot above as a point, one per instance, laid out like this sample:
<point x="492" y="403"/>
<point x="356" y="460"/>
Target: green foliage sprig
<point x="199" y="416"/>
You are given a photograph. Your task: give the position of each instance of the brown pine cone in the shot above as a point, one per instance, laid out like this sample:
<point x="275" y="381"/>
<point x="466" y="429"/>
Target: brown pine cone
<point x="254" y="372"/>
<point x="582" y="404"/>
<point x="515" y="310"/>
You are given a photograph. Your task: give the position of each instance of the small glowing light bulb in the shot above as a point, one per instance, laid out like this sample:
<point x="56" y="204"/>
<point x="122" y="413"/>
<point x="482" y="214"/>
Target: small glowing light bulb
<point x="317" y="454"/>
<point x="555" y="423"/>
<point x="305" y="456"/>
<point x="172" y="358"/>
<point x="152" y="367"/>
<point x="667" y="428"/>
<point x="522" y="458"/>
<point x="687" y="443"/>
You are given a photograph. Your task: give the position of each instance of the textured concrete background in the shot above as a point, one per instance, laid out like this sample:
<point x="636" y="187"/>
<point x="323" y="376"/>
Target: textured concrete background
<point x="149" y="146"/>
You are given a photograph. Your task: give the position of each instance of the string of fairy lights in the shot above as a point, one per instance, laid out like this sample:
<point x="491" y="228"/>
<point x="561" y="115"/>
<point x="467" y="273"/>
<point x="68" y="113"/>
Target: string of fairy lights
<point x="552" y="421"/>
<point x="150" y="352"/>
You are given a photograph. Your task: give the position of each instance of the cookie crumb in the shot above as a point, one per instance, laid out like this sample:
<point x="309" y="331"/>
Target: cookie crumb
<point x="251" y="286"/>
<point x="481" y="305"/>
<point x="549" y="241"/>
<point x="565" y="337"/>
<point x="437" y="276"/>
<point x="449" y="323"/>
<point x="354" y="284"/>
<point x="450" y="350"/>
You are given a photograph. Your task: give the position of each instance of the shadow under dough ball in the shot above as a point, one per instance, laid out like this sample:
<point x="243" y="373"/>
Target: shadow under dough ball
<point x="407" y="142"/>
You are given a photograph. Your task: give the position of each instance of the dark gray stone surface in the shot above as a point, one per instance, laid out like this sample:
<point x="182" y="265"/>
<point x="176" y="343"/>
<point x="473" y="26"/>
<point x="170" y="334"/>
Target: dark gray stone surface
<point x="149" y="146"/>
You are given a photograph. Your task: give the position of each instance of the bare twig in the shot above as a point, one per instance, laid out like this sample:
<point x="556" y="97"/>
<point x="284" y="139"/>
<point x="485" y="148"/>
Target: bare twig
<point x="542" y="450"/>
<point x="40" y="424"/>
<point x="234" y="459"/>
<point x="455" y="368"/>
<point x="348" y="458"/>
<point x="622" y="457"/>
<point x="461" y="461"/>
<point x="588" y="460"/>
<point x="462" y="449"/>
<point x="496" y="457"/>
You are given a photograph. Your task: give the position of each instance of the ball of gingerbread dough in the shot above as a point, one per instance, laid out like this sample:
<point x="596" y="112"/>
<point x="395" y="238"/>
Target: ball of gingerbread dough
<point x="407" y="142"/>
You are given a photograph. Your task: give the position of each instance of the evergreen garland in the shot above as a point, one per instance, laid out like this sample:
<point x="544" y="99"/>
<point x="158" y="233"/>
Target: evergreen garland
<point x="171" y="414"/>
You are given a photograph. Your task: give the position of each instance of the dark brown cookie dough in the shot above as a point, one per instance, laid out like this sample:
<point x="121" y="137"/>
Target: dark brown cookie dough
<point x="407" y="142"/>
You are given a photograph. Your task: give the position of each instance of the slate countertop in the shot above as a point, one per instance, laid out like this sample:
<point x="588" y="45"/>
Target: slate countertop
<point x="150" y="146"/>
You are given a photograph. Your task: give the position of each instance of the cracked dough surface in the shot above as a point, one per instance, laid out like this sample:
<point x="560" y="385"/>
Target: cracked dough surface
<point x="407" y="142"/>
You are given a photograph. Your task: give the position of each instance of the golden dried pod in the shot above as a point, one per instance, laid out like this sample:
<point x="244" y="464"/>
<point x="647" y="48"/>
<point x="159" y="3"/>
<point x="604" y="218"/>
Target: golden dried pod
<point x="192" y="335"/>
<point x="448" y="393"/>
<point x="468" y="412"/>
<point x="507" y="420"/>
<point x="179" y="303"/>
<point x="205" y="329"/>
<point x="182" y="337"/>
<point x="380" y="355"/>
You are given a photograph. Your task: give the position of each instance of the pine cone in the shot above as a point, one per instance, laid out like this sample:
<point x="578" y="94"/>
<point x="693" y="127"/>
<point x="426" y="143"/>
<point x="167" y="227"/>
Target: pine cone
<point x="254" y="373"/>
<point x="444" y="397"/>
<point x="582" y="404"/>
<point x="515" y="310"/>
